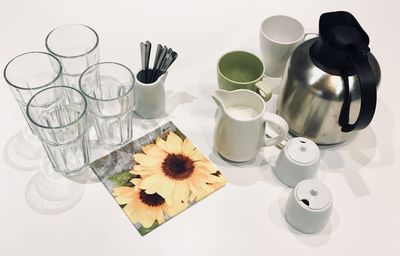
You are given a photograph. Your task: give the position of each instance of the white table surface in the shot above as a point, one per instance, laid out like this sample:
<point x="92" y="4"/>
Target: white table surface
<point x="42" y="213"/>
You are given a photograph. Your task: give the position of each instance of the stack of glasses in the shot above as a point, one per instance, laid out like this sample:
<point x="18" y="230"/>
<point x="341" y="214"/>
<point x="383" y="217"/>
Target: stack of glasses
<point x="61" y="93"/>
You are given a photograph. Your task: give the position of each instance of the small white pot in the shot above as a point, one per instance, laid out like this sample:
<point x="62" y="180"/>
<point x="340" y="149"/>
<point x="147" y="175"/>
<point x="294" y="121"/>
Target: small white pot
<point x="309" y="206"/>
<point x="150" y="98"/>
<point x="297" y="161"/>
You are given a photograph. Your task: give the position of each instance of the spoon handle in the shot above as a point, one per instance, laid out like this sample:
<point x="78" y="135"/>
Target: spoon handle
<point x="147" y="60"/>
<point x="160" y="61"/>
<point x="143" y="57"/>
<point x="169" y="59"/>
<point x="158" y="53"/>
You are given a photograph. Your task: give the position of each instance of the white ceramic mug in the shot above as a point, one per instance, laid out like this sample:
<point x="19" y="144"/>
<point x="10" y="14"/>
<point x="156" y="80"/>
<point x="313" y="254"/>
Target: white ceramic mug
<point x="279" y="36"/>
<point x="240" y="126"/>
<point x="150" y="98"/>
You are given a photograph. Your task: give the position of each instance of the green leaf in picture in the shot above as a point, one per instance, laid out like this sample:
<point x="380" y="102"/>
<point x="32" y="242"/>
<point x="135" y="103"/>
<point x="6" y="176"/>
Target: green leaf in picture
<point x="120" y="179"/>
<point x="143" y="231"/>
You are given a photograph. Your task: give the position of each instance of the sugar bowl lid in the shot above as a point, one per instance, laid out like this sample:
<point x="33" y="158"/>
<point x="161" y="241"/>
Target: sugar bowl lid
<point x="302" y="151"/>
<point x="313" y="194"/>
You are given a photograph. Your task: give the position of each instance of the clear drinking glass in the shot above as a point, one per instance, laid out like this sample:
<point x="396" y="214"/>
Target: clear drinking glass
<point x="58" y="117"/>
<point x="29" y="73"/>
<point x="108" y="88"/>
<point x="77" y="47"/>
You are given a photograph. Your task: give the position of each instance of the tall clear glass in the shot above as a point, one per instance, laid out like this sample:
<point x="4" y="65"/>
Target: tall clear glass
<point x="77" y="47"/>
<point x="27" y="74"/>
<point x="58" y="117"/>
<point x="108" y="88"/>
<point x="31" y="72"/>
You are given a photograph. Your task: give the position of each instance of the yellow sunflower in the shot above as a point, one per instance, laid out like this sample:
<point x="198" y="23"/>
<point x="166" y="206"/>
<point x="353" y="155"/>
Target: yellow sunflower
<point x="176" y="170"/>
<point x="142" y="207"/>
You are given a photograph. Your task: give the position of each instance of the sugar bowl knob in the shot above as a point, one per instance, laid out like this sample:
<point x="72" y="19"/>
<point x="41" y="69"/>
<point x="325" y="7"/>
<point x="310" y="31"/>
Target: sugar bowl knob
<point x="309" y="206"/>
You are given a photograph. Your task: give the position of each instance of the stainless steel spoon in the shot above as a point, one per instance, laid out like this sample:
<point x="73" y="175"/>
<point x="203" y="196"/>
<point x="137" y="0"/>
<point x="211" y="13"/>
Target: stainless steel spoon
<point x="168" y="60"/>
<point x="147" y="59"/>
<point x="174" y="56"/>
<point x="158" y="53"/>
<point x="158" y="65"/>
<point x="143" y="56"/>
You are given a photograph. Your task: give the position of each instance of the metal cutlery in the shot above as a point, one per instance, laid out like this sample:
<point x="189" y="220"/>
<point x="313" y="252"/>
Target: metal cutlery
<point x="143" y="55"/>
<point x="147" y="60"/>
<point x="163" y="60"/>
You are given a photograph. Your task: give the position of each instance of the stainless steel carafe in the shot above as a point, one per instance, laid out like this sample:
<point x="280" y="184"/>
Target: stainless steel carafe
<point x="329" y="88"/>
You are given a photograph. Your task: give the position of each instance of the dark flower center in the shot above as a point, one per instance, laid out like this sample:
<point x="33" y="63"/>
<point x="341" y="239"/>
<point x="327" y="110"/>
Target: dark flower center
<point x="177" y="166"/>
<point x="151" y="199"/>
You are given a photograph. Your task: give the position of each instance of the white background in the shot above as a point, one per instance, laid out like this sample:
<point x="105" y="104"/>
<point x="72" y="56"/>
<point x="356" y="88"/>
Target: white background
<point x="42" y="213"/>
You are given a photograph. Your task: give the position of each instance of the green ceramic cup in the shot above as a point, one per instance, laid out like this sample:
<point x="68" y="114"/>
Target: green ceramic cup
<point x="242" y="70"/>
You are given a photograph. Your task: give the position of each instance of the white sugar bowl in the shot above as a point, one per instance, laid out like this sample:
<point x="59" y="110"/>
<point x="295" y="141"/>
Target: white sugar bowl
<point x="309" y="206"/>
<point x="297" y="161"/>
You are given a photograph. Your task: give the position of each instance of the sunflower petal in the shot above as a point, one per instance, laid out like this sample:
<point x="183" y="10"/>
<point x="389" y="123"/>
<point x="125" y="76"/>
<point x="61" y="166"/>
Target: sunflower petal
<point x="151" y="184"/>
<point x="146" y="160"/>
<point x="136" y="181"/>
<point x="160" y="216"/>
<point x="196" y="155"/>
<point x="130" y="209"/>
<point x="205" y="176"/>
<point x="174" y="143"/>
<point x="181" y="192"/>
<point x="138" y="212"/>
<point x="220" y="179"/>
<point x="205" y="166"/>
<point x="199" y="189"/>
<point x="175" y="209"/>
<point x="192" y="197"/>
<point x="162" y="144"/>
<point x="124" y="195"/>
<point x="123" y="191"/>
<point x="154" y="151"/>
<point x="144" y="170"/>
<point x="187" y="147"/>
<point x="123" y="200"/>
<point x="167" y="189"/>
<point x="147" y="220"/>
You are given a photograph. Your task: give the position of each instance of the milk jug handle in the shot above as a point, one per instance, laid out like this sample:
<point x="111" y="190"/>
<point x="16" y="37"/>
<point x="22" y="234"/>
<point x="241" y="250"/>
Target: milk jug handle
<point x="279" y="125"/>
<point x="368" y="92"/>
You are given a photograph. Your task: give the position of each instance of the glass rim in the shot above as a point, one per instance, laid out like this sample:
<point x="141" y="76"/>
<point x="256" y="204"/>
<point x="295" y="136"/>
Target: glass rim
<point x="71" y="56"/>
<point x="99" y="64"/>
<point x="37" y="87"/>
<point x="56" y="127"/>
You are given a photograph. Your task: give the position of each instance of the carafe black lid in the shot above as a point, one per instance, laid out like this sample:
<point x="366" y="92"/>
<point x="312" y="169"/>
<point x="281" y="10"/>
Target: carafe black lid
<point x="340" y="34"/>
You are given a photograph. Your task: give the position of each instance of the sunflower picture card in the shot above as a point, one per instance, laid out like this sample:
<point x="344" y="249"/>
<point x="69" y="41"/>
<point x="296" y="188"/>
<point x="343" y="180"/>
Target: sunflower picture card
<point x="157" y="176"/>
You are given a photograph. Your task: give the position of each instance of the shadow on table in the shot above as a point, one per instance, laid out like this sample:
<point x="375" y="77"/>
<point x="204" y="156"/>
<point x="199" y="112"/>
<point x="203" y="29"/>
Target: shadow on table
<point x="276" y="213"/>
<point x="23" y="151"/>
<point x="147" y="124"/>
<point x="361" y="149"/>
<point x="177" y="98"/>
<point x="50" y="193"/>
<point x="244" y="174"/>
<point x="47" y="192"/>
<point x="173" y="100"/>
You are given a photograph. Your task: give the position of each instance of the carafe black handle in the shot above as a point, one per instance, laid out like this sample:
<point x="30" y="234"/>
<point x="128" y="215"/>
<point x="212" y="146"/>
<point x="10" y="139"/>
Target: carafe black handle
<point x="358" y="55"/>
